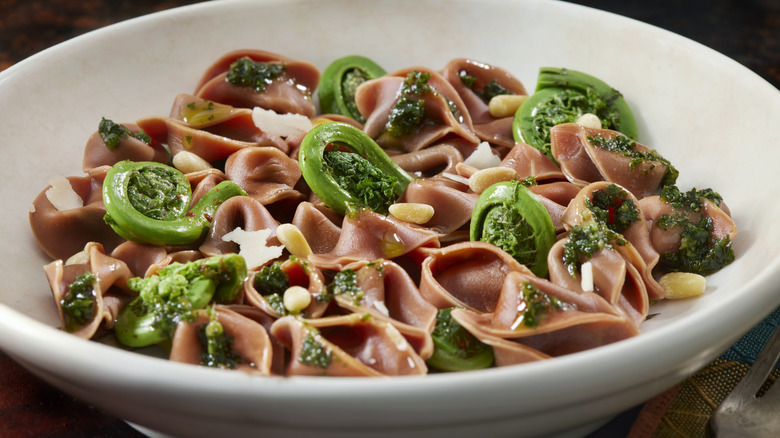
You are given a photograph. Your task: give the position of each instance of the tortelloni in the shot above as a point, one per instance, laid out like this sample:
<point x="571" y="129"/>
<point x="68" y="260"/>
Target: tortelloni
<point x="281" y="282"/>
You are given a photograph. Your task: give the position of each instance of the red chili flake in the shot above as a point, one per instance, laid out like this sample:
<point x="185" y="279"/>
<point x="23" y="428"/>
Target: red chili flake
<point x="208" y="217"/>
<point x="611" y="218"/>
<point x="190" y="214"/>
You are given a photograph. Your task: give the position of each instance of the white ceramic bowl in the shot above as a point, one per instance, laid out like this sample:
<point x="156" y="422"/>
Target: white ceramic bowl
<point x="715" y="120"/>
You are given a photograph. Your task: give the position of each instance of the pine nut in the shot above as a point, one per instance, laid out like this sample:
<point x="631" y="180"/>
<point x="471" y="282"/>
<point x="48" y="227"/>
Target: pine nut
<point x="505" y="105"/>
<point x="412" y="212"/>
<point x="296" y="298"/>
<point x="678" y="285"/>
<point x="187" y="162"/>
<point x="589" y="120"/>
<point x="292" y="239"/>
<point x="482" y="179"/>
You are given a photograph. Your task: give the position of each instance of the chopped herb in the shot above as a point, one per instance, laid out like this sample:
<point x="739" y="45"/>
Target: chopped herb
<point x="586" y="240"/>
<point x="349" y="85"/>
<point x="466" y="79"/>
<point x="566" y="106"/>
<point x="509" y="230"/>
<point x="245" y="72"/>
<point x="313" y="353"/>
<point x="372" y="187"/>
<point x="345" y="283"/>
<point x="271" y="282"/>
<point x="455" y="348"/>
<point x="408" y="112"/>
<point x="625" y="146"/>
<point x="454" y="110"/>
<point x="217" y="345"/>
<point x="614" y="207"/>
<point x="78" y="304"/>
<point x="405" y="117"/>
<point x="154" y="192"/>
<point x="113" y="133"/>
<point x="416" y="82"/>
<point x="690" y="200"/>
<point x="699" y="252"/>
<point x="529" y="181"/>
<point x="491" y="89"/>
<point x="536" y="305"/>
<point x="272" y="279"/>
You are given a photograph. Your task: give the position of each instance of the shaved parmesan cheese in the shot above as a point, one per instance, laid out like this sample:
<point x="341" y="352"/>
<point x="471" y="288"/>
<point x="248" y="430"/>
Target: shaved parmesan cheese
<point x="456" y="178"/>
<point x="62" y="196"/>
<point x="252" y="246"/>
<point x="483" y="157"/>
<point x="283" y="125"/>
<point x="587" y="277"/>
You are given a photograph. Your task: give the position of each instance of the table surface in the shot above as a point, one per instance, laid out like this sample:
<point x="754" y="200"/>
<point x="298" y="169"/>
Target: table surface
<point x="747" y="31"/>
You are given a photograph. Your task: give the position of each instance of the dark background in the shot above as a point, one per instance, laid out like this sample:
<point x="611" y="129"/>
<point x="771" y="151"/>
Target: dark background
<point x="747" y="31"/>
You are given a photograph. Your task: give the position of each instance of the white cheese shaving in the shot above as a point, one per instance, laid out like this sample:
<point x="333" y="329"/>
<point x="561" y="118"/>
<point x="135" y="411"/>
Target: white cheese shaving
<point x="483" y="157"/>
<point x="62" y="196"/>
<point x="456" y="178"/>
<point x="283" y="125"/>
<point x="252" y="246"/>
<point x="587" y="276"/>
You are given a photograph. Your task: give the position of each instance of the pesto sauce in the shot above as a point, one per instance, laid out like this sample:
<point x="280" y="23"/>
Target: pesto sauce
<point x="625" y="146"/>
<point x="405" y="117"/>
<point x="272" y="279"/>
<point x="690" y="200"/>
<point x="529" y="181"/>
<point x="345" y="283"/>
<point x="567" y="106"/>
<point x="507" y="229"/>
<point x="112" y="133"/>
<point x="455" y="339"/>
<point x="586" y="240"/>
<point x="408" y="113"/>
<point x="363" y="180"/>
<point x="699" y="251"/>
<point x="276" y="301"/>
<point x="537" y="305"/>
<point x="271" y="282"/>
<point x="217" y="346"/>
<point x="155" y="193"/>
<point x="349" y="85"/>
<point x="245" y="72"/>
<point x="313" y="353"/>
<point x="78" y="304"/>
<point x="613" y="206"/>
<point x="491" y="89"/>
